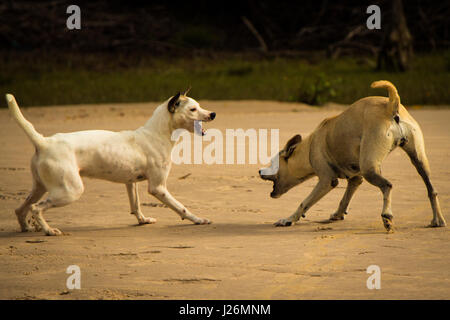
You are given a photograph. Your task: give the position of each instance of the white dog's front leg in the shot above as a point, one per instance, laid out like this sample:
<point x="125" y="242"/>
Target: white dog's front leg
<point x="163" y="195"/>
<point x="135" y="206"/>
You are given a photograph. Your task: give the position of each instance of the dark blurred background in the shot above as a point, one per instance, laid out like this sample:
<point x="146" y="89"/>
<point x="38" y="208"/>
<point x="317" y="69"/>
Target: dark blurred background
<point x="307" y="51"/>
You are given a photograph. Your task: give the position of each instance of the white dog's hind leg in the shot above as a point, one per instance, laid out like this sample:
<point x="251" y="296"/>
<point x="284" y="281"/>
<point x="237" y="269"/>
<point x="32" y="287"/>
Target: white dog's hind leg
<point x="61" y="192"/>
<point x="133" y="196"/>
<point x="61" y="200"/>
<point x="36" y="210"/>
<point x="163" y="195"/>
<point x="352" y="186"/>
<point x="36" y="193"/>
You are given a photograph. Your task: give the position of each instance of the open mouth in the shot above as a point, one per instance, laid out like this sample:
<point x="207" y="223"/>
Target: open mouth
<point x="198" y="128"/>
<point x="267" y="177"/>
<point x="274" y="194"/>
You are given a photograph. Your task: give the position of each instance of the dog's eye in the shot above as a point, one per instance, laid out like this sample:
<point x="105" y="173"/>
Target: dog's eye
<point x="177" y="103"/>
<point x="193" y="109"/>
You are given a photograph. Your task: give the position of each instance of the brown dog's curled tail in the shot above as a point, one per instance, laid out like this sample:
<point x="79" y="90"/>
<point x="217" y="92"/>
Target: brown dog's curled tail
<point x="394" y="98"/>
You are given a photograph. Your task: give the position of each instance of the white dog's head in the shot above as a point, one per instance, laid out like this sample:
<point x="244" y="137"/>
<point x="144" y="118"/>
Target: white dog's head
<point x="187" y="113"/>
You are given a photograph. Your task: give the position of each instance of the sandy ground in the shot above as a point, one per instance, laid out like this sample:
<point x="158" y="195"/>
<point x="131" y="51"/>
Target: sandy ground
<point x="241" y="255"/>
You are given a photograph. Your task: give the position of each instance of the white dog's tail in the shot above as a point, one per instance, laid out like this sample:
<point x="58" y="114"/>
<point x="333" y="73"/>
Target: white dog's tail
<point x="35" y="137"/>
<point x="394" y="98"/>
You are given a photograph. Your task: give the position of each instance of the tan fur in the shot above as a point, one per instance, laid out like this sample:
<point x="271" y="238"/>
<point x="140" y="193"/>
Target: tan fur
<point x="352" y="146"/>
<point x="394" y="98"/>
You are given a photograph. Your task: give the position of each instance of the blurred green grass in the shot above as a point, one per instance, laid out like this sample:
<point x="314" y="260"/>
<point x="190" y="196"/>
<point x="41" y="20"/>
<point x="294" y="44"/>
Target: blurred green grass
<point x="94" y="79"/>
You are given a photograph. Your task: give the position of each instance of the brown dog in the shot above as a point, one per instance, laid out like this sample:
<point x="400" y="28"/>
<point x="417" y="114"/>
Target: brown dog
<point x="351" y="146"/>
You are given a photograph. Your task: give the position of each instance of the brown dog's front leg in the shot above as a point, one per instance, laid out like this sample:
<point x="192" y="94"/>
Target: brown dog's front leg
<point x="324" y="186"/>
<point x="352" y="186"/>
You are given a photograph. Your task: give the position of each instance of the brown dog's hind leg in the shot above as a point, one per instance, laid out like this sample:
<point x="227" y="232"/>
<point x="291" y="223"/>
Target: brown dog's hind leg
<point x="416" y="152"/>
<point x="373" y="176"/>
<point x="352" y="186"/>
<point x="376" y="144"/>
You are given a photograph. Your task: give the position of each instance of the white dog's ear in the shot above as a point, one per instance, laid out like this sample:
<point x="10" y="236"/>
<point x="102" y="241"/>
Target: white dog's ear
<point x="187" y="91"/>
<point x="290" y="146"/>
<point x="173" y="102"/>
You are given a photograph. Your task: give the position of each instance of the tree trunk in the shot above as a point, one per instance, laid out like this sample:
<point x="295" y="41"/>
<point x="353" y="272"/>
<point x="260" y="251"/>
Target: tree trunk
<point x="396" y="48"/>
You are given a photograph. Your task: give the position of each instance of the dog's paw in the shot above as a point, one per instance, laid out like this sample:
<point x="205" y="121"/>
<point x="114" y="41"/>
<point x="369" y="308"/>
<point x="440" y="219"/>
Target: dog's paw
<point x="283" y="223"/>
<point x="337" y="216"/>
<point x="33" y="224"/>
<point x="436" y="223"/>
<point x="53" y="232"/>
<point x="203" y="221"/>
<point x="388" y="224"/>
<point x="147" y="220"/>
<point x="27" y="228"/>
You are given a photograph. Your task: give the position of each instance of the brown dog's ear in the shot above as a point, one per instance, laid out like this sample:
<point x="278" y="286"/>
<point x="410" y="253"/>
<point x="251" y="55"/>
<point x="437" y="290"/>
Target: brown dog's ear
<point x="290" y="146"/>
<point x="171" y="105"/>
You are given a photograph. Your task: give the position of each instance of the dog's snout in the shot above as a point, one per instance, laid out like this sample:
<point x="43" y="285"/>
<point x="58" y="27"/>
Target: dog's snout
<point x="212" y="115"/>
<point x="262" y="174"/>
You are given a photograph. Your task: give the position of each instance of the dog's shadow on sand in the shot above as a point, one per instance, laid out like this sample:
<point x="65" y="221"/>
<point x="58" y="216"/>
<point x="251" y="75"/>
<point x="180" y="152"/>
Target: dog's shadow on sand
<point x="222" y="229"/>
<point x="261" y="229"/>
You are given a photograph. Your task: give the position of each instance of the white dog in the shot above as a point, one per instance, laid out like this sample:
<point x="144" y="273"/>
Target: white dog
<point x="125" y="157"/>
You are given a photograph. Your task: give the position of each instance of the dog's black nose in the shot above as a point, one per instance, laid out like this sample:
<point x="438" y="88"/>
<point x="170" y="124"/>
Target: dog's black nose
<point x="212" y="115"/>
<point x="259" y="172"/>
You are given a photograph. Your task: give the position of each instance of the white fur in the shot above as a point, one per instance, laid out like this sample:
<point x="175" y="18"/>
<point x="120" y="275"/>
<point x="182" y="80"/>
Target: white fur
<point x="124" y="157"/>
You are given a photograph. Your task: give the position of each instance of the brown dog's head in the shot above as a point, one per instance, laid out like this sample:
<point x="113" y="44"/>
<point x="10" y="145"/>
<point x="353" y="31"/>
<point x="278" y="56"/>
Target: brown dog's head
<point x="284" y="172"/>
